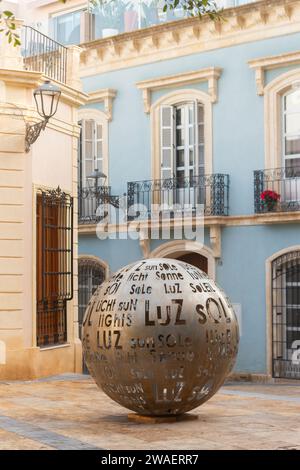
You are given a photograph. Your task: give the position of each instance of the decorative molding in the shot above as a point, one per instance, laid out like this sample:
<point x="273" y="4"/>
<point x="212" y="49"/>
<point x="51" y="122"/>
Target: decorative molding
<point x="215" y="240"/>
<point x="269" y="63"/>
<point x="175" y="248"/>
<point x="144" y="243"/>
<point x="28" y="79"/>
<point x="210" y="75"/>
<point x="272" y="218"/>
<point x="250" y="22"/>
<point x="106" y="95"/>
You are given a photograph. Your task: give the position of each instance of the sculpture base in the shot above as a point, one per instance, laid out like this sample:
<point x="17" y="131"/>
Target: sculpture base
<point x="143" y="419"/>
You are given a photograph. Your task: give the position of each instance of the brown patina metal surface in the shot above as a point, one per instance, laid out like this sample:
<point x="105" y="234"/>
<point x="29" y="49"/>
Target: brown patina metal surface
<point x="160" y="337"/>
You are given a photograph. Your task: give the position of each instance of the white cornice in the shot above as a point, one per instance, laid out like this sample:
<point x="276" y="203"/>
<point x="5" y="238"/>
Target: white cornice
<point x="106" y="96"/>
<point x="212" y="221"/>
<point x="251" y="22"/>
<point x="28" y="79"/>
<point x="267" y="63"/>
<point x="210" y="74"/>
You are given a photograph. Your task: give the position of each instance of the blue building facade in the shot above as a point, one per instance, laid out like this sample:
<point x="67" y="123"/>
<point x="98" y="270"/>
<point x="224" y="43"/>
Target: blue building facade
<point x="203" y="114"/>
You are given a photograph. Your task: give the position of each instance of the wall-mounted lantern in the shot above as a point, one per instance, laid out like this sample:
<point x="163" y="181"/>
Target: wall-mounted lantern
<point x="46" y="99"/>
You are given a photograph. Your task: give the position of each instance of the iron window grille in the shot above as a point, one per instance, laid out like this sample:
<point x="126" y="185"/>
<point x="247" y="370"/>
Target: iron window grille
<point x="54" y="265"/>
<point x="91" y="274"/>
<point x="286" y="315"/>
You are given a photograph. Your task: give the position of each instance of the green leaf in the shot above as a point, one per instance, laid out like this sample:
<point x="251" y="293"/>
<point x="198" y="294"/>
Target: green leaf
<point x="7" y="13"/>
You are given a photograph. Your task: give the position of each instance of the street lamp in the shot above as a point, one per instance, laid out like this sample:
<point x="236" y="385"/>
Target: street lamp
<point x="102" y="192"/>
<point x="95" y="176"/>
<point x="46" y="99"/>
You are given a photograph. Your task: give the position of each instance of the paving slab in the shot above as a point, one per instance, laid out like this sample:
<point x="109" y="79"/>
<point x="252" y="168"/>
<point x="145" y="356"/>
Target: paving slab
<point x="70" y="412"/>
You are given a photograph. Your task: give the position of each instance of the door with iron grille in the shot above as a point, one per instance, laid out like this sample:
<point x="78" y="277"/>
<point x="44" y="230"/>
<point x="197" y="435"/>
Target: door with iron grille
<point x="90" y="275"/>
<point x="286" y="315"/>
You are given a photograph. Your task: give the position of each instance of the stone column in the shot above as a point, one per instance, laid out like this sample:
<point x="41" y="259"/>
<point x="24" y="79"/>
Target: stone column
<point x="73" y="64"/>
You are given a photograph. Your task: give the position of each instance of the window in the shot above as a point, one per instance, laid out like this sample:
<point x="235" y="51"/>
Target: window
<point x="286" y="314"/>
<point x="182" y="141"/>
<point x="291" y="133"/>
<point x="54" y="265"/>
<point x="91" y="149"/>
<point x="67" y="27"/>
<point x="91" y="273"/>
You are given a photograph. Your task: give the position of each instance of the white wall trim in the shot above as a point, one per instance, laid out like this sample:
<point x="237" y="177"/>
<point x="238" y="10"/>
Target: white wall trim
<point x="210" y="75"/>
<point x="106" y="96"/>
<point x="178" y="246"/>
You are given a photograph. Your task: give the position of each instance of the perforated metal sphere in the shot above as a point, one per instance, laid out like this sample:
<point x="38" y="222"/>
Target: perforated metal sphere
<point x="160" y="337"/>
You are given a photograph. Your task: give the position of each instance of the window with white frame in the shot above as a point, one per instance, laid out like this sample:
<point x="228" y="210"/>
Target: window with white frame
<point x="291" y="133"/>
<point x="91" y="149"/>
<point x="182" y="140"/>
<point x="66" y="27"/>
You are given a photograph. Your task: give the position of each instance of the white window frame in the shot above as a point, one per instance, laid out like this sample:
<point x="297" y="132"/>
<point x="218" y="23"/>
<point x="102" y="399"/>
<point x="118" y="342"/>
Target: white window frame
<point x="284" y="134"/>
<point x="99" y="118"/>
<point x="80" y="8"/>
<point x="273" y="121"/>
<point x="172" y="99"/>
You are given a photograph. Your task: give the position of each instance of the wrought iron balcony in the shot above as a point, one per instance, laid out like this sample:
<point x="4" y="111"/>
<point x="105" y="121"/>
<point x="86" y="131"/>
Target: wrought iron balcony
<point x="90" y="204"/>
<point x="94" y="203"/>
<point x="210" y="193"/>
<point x="277" y="190"/>
<point x="43" y="54"/>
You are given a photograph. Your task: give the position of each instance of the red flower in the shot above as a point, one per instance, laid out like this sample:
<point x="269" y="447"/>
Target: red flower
<point x="268" y="195"/>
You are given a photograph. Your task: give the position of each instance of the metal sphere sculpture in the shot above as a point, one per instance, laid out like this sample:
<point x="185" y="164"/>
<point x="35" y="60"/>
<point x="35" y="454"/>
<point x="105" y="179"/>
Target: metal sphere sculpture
<point x="160" y="337"/>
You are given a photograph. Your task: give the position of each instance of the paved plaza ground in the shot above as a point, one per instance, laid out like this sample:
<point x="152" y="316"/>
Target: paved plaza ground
<point x="70" y="412"/>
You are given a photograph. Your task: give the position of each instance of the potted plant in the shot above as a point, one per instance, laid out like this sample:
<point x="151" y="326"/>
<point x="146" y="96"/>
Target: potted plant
<point x="269" y="199"/>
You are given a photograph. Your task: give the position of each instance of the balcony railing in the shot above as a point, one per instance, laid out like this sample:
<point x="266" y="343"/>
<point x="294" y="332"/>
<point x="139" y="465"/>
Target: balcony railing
<point x="111" y="18"/>
<point x="208" y="193"/>
<point x="277" y="189"/>
<point x="43" y="54"/>
<point x="93" y="204"/>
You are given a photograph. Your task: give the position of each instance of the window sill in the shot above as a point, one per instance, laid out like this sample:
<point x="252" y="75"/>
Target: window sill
<point x="55" y="346"/>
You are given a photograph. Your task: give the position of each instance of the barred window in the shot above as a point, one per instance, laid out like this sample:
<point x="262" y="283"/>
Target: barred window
<point x="54" y="265"/>
<point x="91" y="274"/>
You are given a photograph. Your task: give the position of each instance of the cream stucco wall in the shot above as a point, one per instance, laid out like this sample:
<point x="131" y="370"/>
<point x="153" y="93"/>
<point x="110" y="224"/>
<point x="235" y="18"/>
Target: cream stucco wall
<point x="51" y="162"/>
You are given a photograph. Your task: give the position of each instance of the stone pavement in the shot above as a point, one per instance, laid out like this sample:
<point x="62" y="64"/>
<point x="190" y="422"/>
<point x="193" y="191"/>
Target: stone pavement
<point x="70" y="412"/>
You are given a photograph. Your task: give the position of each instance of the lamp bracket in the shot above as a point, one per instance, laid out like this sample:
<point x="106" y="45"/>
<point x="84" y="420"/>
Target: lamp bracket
<point x="32" y="132"/>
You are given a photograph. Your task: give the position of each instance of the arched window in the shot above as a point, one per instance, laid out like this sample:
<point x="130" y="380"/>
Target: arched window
<point x="91" y="273"/>
<point x="285" y="271"/>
